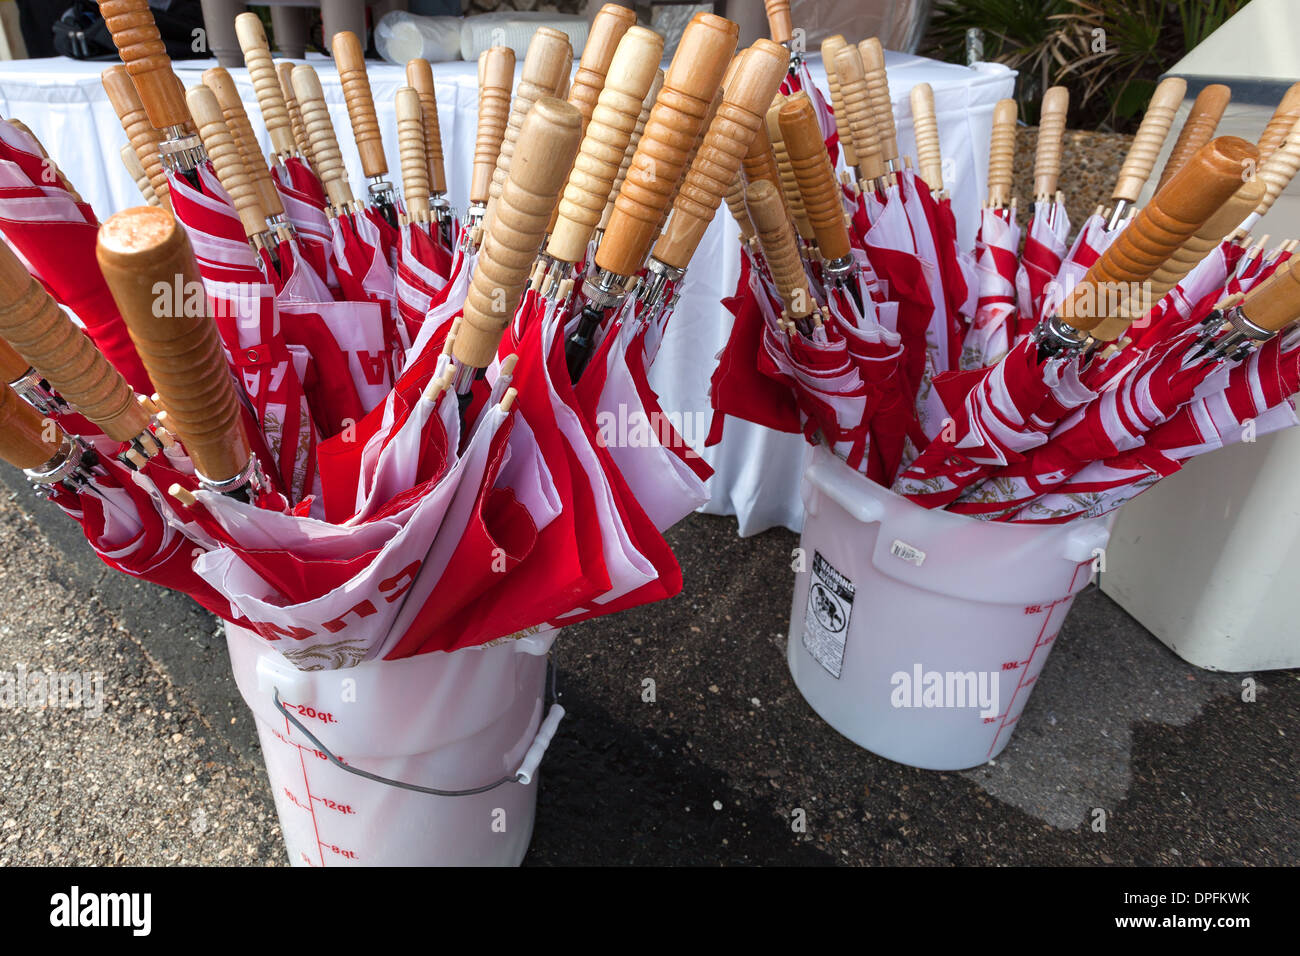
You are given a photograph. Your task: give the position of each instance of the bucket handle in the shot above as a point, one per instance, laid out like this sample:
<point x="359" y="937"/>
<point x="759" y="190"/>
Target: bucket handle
<point x="524" y="775"/>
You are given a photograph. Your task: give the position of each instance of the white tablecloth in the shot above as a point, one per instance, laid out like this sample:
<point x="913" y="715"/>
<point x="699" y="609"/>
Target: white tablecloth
<point x="758" y="471"/>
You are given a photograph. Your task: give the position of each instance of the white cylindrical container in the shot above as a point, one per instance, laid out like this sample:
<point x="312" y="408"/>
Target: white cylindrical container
<point x="448" y="721"/>
<point x="926" y="630"/>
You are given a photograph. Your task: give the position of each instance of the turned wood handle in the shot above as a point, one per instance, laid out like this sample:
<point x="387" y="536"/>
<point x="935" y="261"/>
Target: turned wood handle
<point x="739" y="211"/>
<point x="284" y="71"/>
<point x="142" y="51"/>
<point x="693" y="77"/>
<point x="1280" y="168"/>
<point x="603" y="40"/>
<point x="760" y="161"/>
<point x="350" y="58"/>
<point x="1051" y="131"/>
<point x="548" y="142"/>
<point x="1150" y="139"/>
<point x="496" y="74"/>
<point x="1280" y="123"/>
<point x="326" y="158"/>
<point x="777" y="239"/>
<point x="39" y="331"/>
<point x="1198" y="129"/>
<point x="12" y="365"/>
<point x="23" y="433"/>
<point x="873" y="62"/>
<point x="1002" y="152"/>
<point x="132" y="163"/>
<point x="605" y="145"/>
<point x="778" y="20"/>
<point x="742" y="110"/>
<point x="1172" y="216"/>
<point x="830" y="47"/>
<point x="544" y="67"/>
<point x="858" y="112"/>
<point x="150" y="269"/>
<point x="926" y="126"/>
<point x="419" y="76"/>
<point x="219" y="81"/>
<point x="410" y="147"/>
<point x="1227" y="218"/>
<point x="227" y="159"/>
<point x="139" y="130"/>
<point x="818" y="189"/>
<point x="266" y="82"/>
<point x="1275" y="303"/>
<point x="785" y="170"/>
<point x="634" y="140"/>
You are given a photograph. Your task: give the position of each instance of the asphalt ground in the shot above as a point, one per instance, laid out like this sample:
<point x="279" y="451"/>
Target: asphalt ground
<point x="711" y="772"/>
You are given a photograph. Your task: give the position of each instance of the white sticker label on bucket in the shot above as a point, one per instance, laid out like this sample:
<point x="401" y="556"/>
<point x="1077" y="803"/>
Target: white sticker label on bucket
<point x="826" y="619"/>
<point x="901" y="549"/>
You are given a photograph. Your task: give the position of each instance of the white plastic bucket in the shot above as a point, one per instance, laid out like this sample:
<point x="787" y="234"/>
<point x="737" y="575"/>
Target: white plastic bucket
<point x="452" y="722"/>
<point x="927" y="629"/>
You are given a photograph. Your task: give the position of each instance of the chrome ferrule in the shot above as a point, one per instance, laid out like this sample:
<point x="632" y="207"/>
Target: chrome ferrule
<point x="181" y="151"/>
<point x="658" y="275"/>
<point x="1054" y="336"/>
<point x="605" y="289"/>
<point x="249" y="481"/>
<point x="38" y="393"/>
<point x="70" y="466"/>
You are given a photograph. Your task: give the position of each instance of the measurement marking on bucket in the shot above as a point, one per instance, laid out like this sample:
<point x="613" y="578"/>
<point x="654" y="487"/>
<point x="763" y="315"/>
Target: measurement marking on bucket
<point x="1044" y="643"/>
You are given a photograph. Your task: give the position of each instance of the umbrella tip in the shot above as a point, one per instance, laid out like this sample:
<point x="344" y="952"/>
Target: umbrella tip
<point x="183" y="495"/>
<point x="508" y="399"/>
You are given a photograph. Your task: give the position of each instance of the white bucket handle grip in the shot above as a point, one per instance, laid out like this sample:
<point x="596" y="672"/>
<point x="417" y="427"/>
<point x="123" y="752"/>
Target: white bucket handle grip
<point x="524" y="775"/>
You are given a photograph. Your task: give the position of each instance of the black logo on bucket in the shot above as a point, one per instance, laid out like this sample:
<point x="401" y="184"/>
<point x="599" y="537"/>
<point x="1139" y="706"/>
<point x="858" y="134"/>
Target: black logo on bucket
<point x="826" y="619"/>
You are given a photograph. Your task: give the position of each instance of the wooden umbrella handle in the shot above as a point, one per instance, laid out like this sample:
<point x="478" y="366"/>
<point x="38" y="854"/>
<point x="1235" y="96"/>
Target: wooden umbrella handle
<point x="32" y="322"/>
<point x="141" y="251"/>
<point x="1198" y="129"/>
<point x="741" y="112"/>
<point x="410" y="147"/>
<point x="219" y="81"/>
<point x="227" y="159"/>
<point x="785" y="169"/>
<point x="858" y="112"/>
<point x="548" y="142"/>
<point x="1228" y="217"/>
<point x="141" y="48"/>
<point x="1002" y="152"/>
<point x="629" y="77"/>
<point x="1275" y="303"/>
<point x="350" y="59"/>
<point x="1279" y="169"/>
<point x="777" y="240"/>
<point x="760" y="161"/>
<point x="266" y="82"/>
<point x="739" y="211"/>
<point x="12" y="365"/>
<point x="831" y="46"/>
<point x="693" y="77"/>
<point x="419" y="76"/>
<point x="27" y="438"/>
<point x="633" y="141"/>
<point x="1280" y="123"/>
<point x="132" y="163"/>
<point x="326" y="158"/>
<point x="882" y="105"/>
<point x="1172" y="217"/>
<point x="778" y="20"/>
<point x="925" y="125"/>
<point x="284" y="72"/>
<point x="603" y="39"/>
<point x="140" y="132"/>
<point x="812" y="169"/>
<point x="1051" y="131"/>
<point x="496" y="75"/>
<point x="1150" y="139"/>
<point x="544" y="66"/>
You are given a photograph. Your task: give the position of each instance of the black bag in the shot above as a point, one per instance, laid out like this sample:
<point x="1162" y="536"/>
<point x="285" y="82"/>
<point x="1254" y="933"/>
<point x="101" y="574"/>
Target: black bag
<point x="82" y="34"/>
